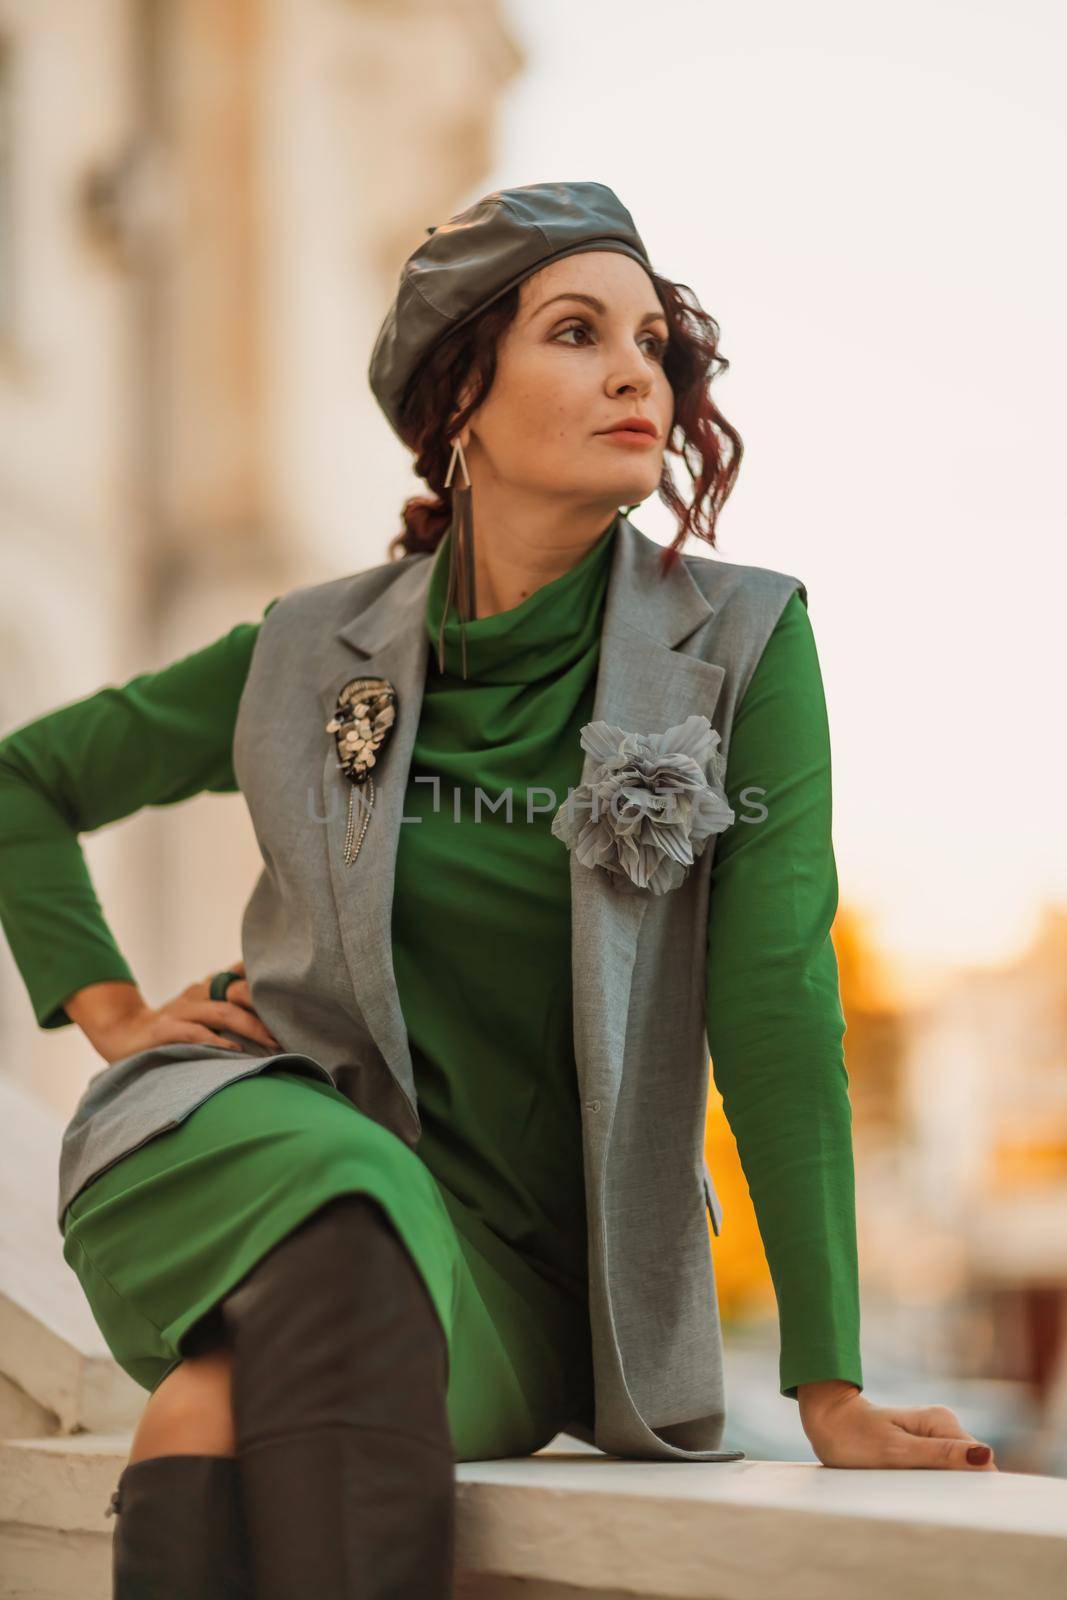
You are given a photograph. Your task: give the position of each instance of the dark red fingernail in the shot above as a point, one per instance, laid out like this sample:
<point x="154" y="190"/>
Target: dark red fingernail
<point x="979" y="1454"/>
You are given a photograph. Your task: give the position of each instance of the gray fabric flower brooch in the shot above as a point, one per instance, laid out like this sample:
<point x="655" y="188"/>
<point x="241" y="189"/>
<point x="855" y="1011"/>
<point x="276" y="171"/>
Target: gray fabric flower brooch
<point x="363" y="720"/>
<point x="650" y="808"/>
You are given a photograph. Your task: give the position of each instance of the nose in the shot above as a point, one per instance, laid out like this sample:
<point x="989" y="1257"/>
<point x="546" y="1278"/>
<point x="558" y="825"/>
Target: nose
<point x="634" y="377"/>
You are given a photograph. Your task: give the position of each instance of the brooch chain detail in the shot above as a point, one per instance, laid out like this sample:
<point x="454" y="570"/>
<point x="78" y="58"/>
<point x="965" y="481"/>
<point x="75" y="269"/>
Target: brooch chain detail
<point x="361" y="724"/>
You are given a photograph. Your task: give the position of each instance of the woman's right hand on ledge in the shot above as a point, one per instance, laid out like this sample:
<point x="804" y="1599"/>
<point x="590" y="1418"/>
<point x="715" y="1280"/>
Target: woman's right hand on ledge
<point x="118" y="1021"/>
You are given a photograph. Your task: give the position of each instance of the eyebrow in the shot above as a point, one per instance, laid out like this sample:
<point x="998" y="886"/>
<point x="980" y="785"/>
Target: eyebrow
<point x="597" y="305"/>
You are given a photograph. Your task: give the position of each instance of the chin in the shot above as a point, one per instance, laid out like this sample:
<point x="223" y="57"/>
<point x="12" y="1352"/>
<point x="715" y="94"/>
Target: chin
<point x="620" y="488"/>
<point x="631" y="479"/>
<point x="629" y="491"/>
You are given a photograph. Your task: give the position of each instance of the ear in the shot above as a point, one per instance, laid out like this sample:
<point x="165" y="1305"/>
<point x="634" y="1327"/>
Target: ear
<point x="463" y="399"/>
<point x="464" y="434"/>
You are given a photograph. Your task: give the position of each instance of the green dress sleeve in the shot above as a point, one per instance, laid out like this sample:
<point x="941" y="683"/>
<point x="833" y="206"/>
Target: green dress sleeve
<point x="157" y="739"/>
<point x="775" y="1021"/>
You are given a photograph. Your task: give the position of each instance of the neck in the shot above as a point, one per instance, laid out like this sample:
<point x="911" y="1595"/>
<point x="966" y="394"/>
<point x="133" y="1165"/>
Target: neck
<point x="528" y="549"/>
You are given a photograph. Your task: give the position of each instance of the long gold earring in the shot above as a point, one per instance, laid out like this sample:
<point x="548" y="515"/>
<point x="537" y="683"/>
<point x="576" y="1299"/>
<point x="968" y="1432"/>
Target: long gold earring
<point x="461" y="585"/>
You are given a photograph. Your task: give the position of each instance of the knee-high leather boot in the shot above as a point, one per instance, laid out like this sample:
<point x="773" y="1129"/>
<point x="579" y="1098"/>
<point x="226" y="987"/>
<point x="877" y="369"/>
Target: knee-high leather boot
<point x="339" y="1385"/>
<point x="179" y="1533"/>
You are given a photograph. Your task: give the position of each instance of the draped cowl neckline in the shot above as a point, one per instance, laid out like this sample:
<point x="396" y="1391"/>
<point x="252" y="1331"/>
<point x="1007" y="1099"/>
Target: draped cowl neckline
<point x="538" y="638"/>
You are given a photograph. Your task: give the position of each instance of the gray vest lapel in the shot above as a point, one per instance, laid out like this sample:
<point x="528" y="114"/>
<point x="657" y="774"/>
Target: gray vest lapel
<point x="387" y="640"/>
<point x="645" y="686"/>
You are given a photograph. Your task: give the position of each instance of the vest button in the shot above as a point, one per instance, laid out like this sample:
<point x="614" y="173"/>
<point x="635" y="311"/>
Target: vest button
<point x="594" y="1105"/>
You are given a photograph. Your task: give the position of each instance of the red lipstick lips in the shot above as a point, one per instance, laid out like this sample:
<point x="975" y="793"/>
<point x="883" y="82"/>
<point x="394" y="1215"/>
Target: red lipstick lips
<point x="638" y="432"/>
<point x="633" y="425"/>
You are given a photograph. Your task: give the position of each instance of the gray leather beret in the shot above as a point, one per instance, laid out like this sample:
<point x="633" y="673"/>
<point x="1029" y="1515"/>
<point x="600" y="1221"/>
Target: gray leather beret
<point x="466" y="263"/>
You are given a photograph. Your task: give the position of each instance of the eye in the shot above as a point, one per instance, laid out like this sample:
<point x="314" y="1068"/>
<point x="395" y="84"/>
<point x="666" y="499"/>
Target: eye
<point x="574" y="327"/>
<point x="659" y="345"/>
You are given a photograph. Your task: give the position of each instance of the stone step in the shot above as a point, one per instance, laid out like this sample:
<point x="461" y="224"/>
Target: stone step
<point x="55" y="1539"/>
<point x="52" y="1355"/>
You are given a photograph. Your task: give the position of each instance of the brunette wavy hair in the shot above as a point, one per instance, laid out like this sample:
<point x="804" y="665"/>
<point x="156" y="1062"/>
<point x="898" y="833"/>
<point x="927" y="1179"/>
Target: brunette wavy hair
<point x="709" y="446"/>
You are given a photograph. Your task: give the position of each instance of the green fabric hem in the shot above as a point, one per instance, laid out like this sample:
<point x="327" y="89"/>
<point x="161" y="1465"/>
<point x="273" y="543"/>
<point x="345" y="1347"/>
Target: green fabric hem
<point x="148" y="1351"/>
<point x="50" y="1011"/>
<point x="260" y="1241"/>
<point x="848" y="1371"/>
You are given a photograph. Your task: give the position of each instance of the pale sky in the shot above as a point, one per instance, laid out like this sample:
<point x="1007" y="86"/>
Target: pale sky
<point x="869" y="201"/>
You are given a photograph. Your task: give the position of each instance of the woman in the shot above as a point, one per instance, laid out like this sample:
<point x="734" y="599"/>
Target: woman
<point x="454" y="1200"/>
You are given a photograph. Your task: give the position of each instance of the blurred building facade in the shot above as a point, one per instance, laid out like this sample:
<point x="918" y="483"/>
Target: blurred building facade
<point x="203" y="209"/>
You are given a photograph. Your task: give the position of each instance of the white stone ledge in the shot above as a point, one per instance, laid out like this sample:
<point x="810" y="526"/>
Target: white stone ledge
<point x="571" y="1524"/>
<point x="578" y="1523"/>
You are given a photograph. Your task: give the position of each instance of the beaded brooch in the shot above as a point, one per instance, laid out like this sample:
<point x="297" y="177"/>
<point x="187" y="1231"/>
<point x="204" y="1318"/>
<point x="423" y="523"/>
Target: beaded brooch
<point x="363" y="720"/>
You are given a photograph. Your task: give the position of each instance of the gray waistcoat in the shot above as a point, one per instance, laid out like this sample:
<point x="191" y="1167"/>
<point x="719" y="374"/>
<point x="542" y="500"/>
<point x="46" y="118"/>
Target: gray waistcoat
<point x="316" y="941"/>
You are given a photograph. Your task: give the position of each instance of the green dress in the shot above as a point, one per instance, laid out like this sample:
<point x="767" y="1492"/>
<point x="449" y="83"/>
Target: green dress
<point x="494" y="1213"/>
